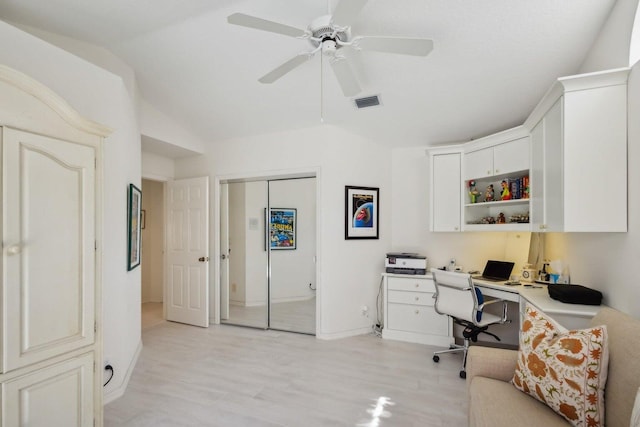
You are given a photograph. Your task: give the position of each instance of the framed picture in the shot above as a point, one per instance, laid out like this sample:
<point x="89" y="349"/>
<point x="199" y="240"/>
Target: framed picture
<point x="133" y="233"/>
<point x="143" y="219"/>
<point x="282" y="228"/>
<point x="362" y="207"/>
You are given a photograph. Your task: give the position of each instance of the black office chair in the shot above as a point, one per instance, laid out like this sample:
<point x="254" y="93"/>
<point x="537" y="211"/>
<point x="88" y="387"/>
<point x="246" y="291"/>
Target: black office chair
<point x="457" y="297"/>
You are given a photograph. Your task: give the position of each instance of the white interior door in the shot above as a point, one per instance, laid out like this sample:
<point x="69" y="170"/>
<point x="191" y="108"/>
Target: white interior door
<point x="224" y="252"/>
<point x="187" y="295"/>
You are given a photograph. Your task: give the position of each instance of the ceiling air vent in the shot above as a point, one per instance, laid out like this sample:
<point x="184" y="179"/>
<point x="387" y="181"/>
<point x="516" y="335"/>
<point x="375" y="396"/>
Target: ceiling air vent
<point x="368" y="101"/>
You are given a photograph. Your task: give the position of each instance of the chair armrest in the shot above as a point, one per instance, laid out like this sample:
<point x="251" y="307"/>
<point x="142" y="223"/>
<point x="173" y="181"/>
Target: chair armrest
<point x="496" y="363"/>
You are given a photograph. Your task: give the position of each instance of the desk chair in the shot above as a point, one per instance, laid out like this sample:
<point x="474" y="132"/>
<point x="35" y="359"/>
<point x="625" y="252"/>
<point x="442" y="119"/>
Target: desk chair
<point x="457" y="297"/>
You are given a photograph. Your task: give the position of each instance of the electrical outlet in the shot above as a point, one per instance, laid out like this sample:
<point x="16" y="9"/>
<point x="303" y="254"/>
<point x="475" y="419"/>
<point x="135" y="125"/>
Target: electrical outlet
<point x="233" y="287"/>
<point x="364" y="310"/>
<point x="106" y="361"/>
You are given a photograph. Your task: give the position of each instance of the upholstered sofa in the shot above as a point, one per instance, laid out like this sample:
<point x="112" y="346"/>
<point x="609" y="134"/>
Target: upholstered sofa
<point x="494" y="401"/>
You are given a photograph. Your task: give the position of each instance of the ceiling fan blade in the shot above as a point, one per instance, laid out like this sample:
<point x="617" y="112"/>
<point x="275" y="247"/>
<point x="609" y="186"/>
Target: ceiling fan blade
<point x="401" y="45"/>
<point x="283" y="69"/>
<point x="346" y="11"/>
<point x="345" y="76"/>
<point x="264" y="25"/>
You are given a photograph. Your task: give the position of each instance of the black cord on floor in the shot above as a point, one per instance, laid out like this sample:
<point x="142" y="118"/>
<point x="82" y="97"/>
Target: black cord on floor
<point x="108" y="368"/>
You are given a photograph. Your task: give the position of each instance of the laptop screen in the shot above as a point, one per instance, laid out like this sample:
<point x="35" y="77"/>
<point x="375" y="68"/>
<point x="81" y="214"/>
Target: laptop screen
<point x="498" y="269"/>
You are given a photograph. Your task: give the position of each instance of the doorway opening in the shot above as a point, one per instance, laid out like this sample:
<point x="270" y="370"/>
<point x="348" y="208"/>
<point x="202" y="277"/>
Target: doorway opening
<point x="153" y="237"/>
<point x="268" y="253"/>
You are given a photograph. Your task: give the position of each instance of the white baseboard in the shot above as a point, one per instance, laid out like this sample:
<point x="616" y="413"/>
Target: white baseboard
<point x="344" y="334"/>
<point x="119" y="391"/>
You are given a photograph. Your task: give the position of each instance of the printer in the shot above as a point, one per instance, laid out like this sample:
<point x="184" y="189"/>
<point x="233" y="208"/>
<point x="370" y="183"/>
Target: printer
<point x="405" y="263"/>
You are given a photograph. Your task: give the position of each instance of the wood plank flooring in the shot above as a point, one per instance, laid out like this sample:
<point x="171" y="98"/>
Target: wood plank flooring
<point x="294" y="316"/>
<point x="233" y="376"/>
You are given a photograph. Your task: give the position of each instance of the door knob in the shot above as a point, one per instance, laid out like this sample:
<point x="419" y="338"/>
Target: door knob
<point x="13" y="250"/>
<point x="203" y="259"/>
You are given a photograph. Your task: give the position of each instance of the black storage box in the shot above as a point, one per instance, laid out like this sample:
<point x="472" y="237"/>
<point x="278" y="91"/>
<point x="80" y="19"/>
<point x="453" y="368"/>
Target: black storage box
<point x="575" y="294"/>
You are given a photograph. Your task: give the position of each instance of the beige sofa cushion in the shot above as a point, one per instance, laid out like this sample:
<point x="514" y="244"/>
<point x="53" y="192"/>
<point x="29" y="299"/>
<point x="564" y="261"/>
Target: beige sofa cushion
<point x="497" y="403"/>
<point x="624" y="364"/>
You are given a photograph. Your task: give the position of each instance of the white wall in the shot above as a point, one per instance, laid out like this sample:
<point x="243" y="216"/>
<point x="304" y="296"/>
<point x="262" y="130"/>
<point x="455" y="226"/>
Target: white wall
<point x="157" y="167"/>
<point x="611" y="47"/>
<point x="159" y="126"/>
<point x="103" y="97"/>
<point x="348" y="270"/>
<point x="153" y="241"/>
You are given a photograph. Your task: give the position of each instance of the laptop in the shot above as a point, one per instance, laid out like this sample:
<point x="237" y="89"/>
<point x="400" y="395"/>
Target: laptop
<point x="496" y="271"/>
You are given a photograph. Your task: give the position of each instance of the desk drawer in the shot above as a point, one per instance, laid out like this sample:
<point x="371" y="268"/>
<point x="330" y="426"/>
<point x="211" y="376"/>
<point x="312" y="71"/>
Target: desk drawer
<point x="406" y="297"/>
<point x="410" y="284"/>
<point x="416" y="318"/>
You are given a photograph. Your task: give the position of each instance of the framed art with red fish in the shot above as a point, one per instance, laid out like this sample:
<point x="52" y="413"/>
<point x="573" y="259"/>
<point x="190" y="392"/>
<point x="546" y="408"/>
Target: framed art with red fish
<point x="362" y="207"/>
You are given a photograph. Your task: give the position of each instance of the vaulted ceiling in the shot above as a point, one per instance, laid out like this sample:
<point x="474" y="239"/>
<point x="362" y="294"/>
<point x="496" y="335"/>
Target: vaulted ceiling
<point x="491" y="63"/>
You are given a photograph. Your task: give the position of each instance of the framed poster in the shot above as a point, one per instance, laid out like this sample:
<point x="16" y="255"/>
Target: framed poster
<point x="134" y="208"/>
<point x="362" y="207"/>
<point x="282" y="228"/>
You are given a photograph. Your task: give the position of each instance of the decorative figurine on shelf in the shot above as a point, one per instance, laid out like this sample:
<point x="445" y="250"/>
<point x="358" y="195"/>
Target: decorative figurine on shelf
<point x="488" y="195"/>
<point x="474" y="194"/>
<point x="501" y="219"/>
<point x="506" y="195"/>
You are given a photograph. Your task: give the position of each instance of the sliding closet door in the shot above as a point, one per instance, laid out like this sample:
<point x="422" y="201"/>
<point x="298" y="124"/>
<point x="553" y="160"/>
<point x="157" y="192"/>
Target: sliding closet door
<point x="246" y="294"/>
<point x="292" y="245"/>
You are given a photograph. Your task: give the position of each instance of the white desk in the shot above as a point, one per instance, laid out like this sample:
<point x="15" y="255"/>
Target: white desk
<point x="571" y="316"/>
<point x="409" y="314"/>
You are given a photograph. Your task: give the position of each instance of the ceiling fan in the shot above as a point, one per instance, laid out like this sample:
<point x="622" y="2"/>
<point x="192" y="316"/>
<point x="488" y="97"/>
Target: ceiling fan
<point x="329" y="34"/>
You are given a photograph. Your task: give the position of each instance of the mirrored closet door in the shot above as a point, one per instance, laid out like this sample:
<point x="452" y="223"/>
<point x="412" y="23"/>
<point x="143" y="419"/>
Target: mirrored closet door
<point x="268" y="243"/>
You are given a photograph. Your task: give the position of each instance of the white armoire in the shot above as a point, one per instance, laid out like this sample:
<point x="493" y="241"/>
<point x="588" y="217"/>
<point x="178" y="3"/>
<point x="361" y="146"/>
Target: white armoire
<point x="50" y="222"/>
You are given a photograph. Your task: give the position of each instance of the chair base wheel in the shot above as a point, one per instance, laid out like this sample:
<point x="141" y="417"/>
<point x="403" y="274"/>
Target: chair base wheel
<point x="436" y="358"/>
<point x="463" y="374"/>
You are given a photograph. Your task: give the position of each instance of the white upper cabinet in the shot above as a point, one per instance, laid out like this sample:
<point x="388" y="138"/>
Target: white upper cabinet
<point x="565" y="168"/>
<point x="445" y="190"/>
<point x="579" y="137"/>
<point x="490" y="165"/>
<point x="500" y="159"/>
<point x="512" y="156"/>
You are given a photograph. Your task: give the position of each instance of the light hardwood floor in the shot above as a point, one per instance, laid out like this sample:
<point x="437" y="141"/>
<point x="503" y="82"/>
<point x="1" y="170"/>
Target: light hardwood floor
<point x="233" y="376"/>
<point x="295" y="316"/>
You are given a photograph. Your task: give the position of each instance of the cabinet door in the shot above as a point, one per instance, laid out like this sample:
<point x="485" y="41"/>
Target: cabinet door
<point x="446" y="187"/>
<point x="49" y="240"/>
<point x="60" y="395"/>
<point x="553" y="171"/>
<point x="478" y="164"/>
<point x="512" y="156"/>
<point x="536" y="182"/>
<point x="595" y="163"/>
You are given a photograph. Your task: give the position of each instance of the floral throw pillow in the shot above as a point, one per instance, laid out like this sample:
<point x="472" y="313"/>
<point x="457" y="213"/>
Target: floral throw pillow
<point x="566" y="370"/>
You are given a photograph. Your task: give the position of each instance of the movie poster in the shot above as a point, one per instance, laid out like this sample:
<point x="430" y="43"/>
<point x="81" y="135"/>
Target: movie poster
<point x="282" y="228"/>
<point x="362" y="208"/>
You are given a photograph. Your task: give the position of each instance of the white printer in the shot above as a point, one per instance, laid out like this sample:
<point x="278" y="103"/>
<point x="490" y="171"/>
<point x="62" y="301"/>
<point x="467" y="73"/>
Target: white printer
<point x="405" y="263"/>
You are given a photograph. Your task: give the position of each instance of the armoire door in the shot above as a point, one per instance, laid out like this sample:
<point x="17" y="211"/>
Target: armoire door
<point x="48" y="280"/>
<point x="49" y="238"/>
